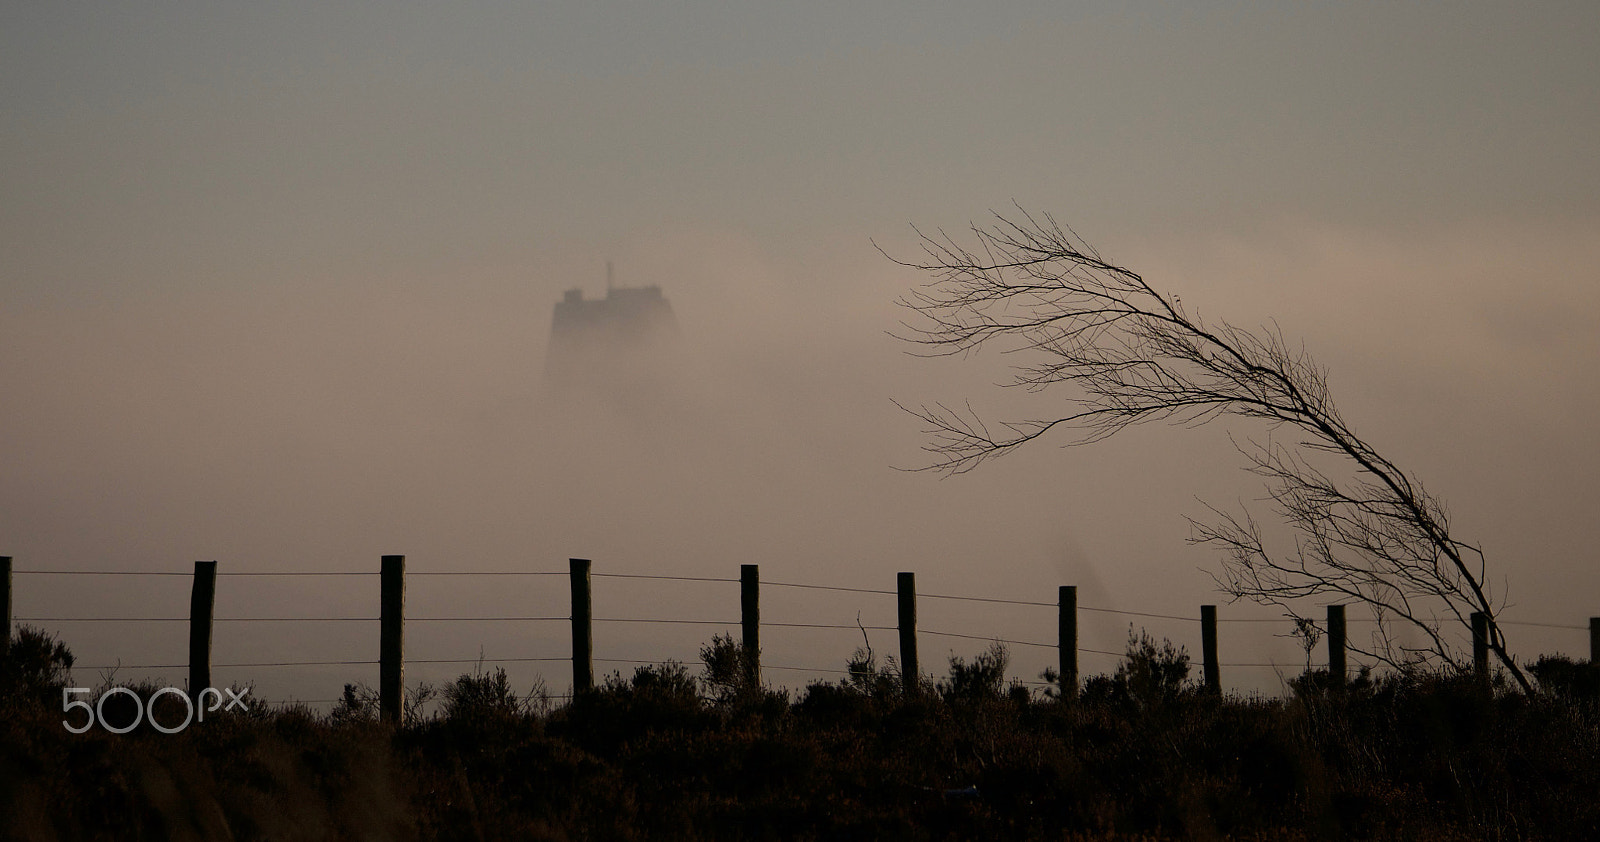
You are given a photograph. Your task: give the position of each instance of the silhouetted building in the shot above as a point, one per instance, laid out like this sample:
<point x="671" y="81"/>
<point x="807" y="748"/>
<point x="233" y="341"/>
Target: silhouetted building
<point x="612" y="341"/>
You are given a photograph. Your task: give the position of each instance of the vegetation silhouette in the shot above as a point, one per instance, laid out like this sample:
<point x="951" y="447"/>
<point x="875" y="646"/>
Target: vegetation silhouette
<point x="1122" y="353"/>
<point x="673" y="753"/>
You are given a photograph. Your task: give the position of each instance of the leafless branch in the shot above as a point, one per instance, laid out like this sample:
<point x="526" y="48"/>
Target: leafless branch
<point x="1135" y="355"/>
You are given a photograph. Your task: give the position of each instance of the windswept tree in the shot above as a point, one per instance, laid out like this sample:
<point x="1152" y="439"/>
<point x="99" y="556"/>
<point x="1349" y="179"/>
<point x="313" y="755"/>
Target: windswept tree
<point x="1122" y="352"/>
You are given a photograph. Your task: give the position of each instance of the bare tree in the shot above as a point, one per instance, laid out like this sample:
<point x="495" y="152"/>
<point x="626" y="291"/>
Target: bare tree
<point x="1366" y="530"/>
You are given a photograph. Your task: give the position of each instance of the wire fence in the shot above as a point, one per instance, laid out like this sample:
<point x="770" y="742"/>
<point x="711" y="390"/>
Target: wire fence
<point x="658" y="621"/>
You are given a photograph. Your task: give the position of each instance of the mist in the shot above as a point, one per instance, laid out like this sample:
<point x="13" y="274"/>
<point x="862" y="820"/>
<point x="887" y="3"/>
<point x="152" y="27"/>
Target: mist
<point x="279" y="287"/>
<point x="317" y="432"/>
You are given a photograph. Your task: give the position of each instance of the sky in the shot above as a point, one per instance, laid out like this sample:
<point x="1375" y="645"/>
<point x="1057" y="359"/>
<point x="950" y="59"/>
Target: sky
<point x="276" y="282"/>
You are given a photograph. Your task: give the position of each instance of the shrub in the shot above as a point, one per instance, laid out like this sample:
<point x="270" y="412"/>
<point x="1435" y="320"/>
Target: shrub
<point x="982" y="679"/>
<point x="359" y="703"/>
<point x="730" y="668"/>
<point x="482" y="696"/>
<point x="865" y="676"/>
<point x="659" y="697"/>
<point x="669" y="681"/>
<point x="143" y="707"/>
<point x="1152" y="674"/>
<point x="858" y="700"/>
<point x="733" y="681"/>
<point x="1316" y="684"/>
<point x="1567" y="678"/>
<point x="35" y="669"/>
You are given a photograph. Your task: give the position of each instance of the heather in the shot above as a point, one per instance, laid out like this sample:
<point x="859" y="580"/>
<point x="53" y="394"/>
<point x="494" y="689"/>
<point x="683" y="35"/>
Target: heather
<point x="679" y="752"/>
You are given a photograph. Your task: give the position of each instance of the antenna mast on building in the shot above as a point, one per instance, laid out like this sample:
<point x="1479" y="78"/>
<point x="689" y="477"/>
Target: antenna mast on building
<point x="608" y="277"/>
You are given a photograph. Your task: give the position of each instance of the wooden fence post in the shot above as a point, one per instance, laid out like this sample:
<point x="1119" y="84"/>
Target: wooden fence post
<point x="909" y="672"/>
<point x="582" y="631"/>
<point x="5" y="604"/>
<point x="1067" y="640"/>
<point x="1594" y="638"/>
<point x="1208" y="648"/>
<point x="1336" y="663"/>
<point x="1480" y="645"/>
<point x="750" y="619"/>
<point x="202" y="602"/>
<point x="391" y="639"/>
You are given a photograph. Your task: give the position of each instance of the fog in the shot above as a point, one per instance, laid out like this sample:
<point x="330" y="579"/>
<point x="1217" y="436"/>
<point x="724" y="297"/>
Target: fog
<point x="287" y="308"/>
<point x="317" y="432"/>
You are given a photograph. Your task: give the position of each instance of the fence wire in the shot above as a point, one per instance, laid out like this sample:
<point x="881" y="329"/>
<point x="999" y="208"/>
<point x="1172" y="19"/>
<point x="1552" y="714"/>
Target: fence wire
<point x="641" y="620"/>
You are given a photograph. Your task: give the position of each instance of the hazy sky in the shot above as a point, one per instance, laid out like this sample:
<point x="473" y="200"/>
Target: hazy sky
<point x="276" y="282"/>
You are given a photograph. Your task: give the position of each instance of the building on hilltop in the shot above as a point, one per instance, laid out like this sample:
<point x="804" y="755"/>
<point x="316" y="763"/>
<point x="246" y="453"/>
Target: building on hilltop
<point x="610" y="341"/>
